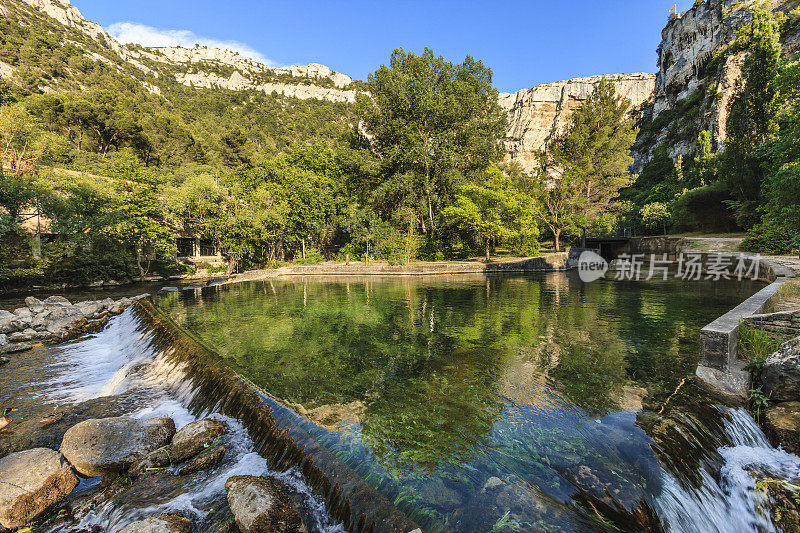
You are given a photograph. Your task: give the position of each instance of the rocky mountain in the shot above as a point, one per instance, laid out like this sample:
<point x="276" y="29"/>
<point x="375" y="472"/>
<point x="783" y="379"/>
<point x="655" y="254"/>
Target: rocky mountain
<point x="534" y="113"/>
<point x="199" y="66"/>
<point x="698" y="73"/>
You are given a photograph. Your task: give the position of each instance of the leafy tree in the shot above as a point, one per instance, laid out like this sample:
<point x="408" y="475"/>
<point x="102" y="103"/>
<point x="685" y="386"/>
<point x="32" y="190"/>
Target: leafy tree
<point x="751" y="120"/>
<point x="430" y="121"/>
<point x="561" y="198"/>
<point x="594" y="150"/>
<point x="495" y="211"/>
<point x="655" y="215"/>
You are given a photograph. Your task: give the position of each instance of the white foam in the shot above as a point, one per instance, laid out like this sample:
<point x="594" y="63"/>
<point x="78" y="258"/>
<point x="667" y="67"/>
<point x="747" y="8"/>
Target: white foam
<point x="728" y="503"/>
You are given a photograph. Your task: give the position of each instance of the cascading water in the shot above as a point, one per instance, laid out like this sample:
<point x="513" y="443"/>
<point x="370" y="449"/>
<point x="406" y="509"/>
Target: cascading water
<point x="124" y="358"/>
<point x="727" y="501"/>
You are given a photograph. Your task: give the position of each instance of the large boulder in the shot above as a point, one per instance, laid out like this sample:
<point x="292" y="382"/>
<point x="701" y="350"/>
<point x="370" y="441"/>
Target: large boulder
<point x="782" y="425"/>
<point x="56" y="301"/>
<point x="30" y="482"/>
<point x="259" y="506"/>
<point x="34" y="304"/>
<point x="107" y="445"/>
<point x="165" y="523"/>
<point x="781" y="375"/>
<point x="193" y="438"/>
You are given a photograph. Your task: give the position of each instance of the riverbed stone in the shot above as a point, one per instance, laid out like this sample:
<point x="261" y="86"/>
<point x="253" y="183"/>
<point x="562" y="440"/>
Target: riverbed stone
<point x="782" y="425"/>
<point x="781" y="374"/>
<point x="259" y="506"/>
<point x="157" y="459"/>
<point x="15" y="347"/>
<point x="6" y="315"/>
<point x="110" y="445"/>
<point x="3" y="339"/>
<point x="22" y="311"/>
<point x="30" y="482"/>
<point x="34" y="304"/>
<point x="194" y="437"/>
<point x="207" y="459"/>
<point x="56" y="301"/>
<point x="165" y="523"/>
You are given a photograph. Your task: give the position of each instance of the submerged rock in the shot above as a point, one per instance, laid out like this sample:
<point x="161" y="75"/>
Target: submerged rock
<point x="209" y="458"/>
<point x="165" y="523"/>
<point x="30" y="482"/>
<point x="15" y="347"/>
<point x="157" y="459"/>
<point x="781" y="374"/>
<point x="195" y="437"/>
<point x="109" y="445"/>
<point x="259" y="506"/>
<point x="782" y="425"/>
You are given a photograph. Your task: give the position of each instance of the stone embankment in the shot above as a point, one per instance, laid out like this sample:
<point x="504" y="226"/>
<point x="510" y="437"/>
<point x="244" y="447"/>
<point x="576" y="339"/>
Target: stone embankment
<point x="55" y="319"/>
<point x="35" y="483"/>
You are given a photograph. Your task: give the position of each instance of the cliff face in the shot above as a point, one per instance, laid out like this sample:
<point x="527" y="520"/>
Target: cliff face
<point x="697" y="77"/>
<point x="533" y="113"/>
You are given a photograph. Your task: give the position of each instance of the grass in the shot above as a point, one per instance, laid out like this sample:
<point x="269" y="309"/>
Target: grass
<point x="786" y="298"/>
<point x="756" y="344"/>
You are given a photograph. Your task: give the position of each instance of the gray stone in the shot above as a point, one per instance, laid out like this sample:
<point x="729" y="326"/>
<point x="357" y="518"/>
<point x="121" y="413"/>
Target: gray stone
<point x="165" y="523"/>
<point x="15" y="347"/>
<point x="207" y="459"/>
<point x="30" y="482"/>
<point x="781" y="374"/>
<point x="782" y="425"/>
<point x="157" y="459"/>
<point x="91" y="309"/>
<point x="56" y="301"/>
<point x="193" y="438"/>
<point x="23" y="336"/>
<point x="109" y="445"/>
<point x="259" y="506"/>
<point x="6" y="315"/>
<point x="22" y="311"/>
<point x="34" y="304"/>
<point x="3" y="339"/>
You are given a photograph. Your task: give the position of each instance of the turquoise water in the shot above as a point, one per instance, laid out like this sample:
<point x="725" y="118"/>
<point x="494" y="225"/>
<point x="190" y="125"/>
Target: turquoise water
<point x="501" y="403"/>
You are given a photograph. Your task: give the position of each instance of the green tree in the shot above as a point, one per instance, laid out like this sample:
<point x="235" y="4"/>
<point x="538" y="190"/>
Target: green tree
<point x="561" y="198"/>
<point x="751" y="120"/>
<point x="496" y="211"/>
<point x="430" y="121"/>
<point x="594" y="149"/>
<point x="655" y="215"/>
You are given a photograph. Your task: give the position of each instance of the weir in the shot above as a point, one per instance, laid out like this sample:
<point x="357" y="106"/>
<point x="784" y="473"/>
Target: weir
<point x="276" y="433"/>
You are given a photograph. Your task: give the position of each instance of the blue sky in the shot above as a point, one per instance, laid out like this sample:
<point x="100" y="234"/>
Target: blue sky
<point x="525" y="43"/>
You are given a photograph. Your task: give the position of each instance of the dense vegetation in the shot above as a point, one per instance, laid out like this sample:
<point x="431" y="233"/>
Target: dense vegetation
<point x="110" y="162"/>
<point x="751" y="183"/>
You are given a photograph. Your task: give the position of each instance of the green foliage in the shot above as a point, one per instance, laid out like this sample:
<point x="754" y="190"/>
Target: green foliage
<point x="655" y="215"/>
<point x="756" y="344"/>
<point x="431" y="121"/>
<point x="497" y="212"/>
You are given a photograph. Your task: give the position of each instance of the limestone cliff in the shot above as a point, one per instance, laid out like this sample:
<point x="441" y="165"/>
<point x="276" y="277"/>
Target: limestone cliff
<point x="533" y="113"/>
<point x="697" y="76"/>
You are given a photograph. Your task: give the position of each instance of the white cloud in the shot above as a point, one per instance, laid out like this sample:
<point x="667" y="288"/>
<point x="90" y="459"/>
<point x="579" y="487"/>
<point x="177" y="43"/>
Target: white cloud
<point x="131" y="32"/>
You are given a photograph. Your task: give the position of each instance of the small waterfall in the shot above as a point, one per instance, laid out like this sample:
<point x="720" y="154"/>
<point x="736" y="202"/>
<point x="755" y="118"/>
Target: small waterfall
<point x="726" y="501"/>
<point x="142" y="349"/>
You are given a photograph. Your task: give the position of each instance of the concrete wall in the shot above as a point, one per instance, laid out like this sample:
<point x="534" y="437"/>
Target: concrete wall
<point x="719" y="364"/>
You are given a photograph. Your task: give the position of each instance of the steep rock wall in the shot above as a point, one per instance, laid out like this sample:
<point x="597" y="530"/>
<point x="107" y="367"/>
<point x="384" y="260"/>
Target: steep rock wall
<point x="533" y="113"/>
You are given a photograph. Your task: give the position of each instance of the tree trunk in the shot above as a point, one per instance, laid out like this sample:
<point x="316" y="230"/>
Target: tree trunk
<point x="232" y="262"/>
<point x="488" y="249"/>
<point x="557" y="236"/>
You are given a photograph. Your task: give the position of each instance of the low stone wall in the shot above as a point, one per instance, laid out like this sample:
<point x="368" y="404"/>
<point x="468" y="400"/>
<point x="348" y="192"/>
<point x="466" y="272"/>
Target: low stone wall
<point x="545" y="263"/>
<point x="719" y="364"/>
<point x="672" y="246"/>
<point x="782" y="322"/>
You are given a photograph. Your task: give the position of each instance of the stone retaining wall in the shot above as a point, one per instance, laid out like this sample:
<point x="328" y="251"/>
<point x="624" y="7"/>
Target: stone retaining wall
<point x="719" y="364"/>
<point x="782" y="322"/>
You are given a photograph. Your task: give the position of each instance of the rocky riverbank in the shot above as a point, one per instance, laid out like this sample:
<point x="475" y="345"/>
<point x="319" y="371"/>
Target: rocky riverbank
<point x="130" y="458"/>
<point x="55" y="319"/>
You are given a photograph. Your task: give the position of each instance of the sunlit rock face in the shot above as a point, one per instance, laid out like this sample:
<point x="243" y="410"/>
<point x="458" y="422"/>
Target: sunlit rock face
<point x="533" y="113"/>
